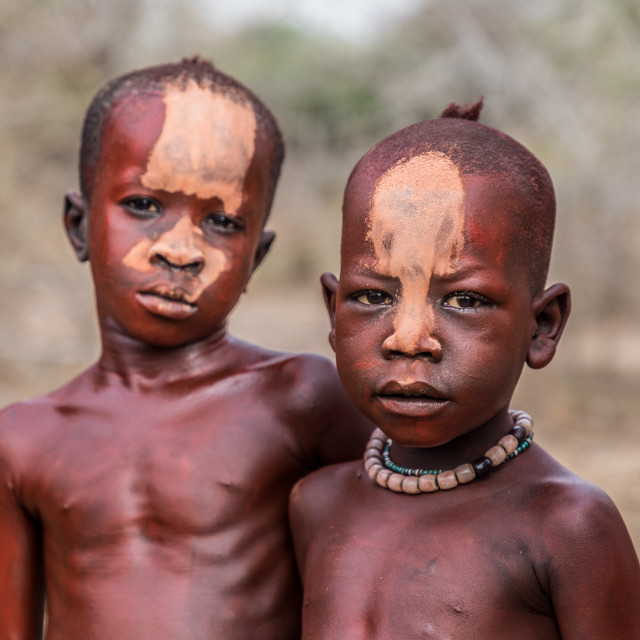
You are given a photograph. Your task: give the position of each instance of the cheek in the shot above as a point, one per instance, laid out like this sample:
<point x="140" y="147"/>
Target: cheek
<point x="138" y="256"/>
<point x="110" y="242"/>
<point x="358" y="346"/>
<point x="216" y="262"/>
<point x="224" y="275"/>
<point x="485" y="361"/>
<point x="354" y="372"/>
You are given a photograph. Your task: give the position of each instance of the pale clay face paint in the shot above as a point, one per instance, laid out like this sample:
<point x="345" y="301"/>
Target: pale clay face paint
<point x="205" y="149"/>
<point x="416" y="225"/>
<point x="181" y="245"/>
<point x="205" y="146"/>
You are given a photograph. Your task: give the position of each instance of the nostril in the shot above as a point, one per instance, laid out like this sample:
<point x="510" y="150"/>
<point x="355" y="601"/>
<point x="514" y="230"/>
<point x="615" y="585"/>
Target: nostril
<point x="160" y="260"/>
<point x="193" y="265"/>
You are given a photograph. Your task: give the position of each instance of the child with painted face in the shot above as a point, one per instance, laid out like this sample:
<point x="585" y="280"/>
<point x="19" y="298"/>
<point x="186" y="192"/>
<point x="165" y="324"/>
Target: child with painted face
<point x="147" y="499"/>
<point x="457" y="525"/>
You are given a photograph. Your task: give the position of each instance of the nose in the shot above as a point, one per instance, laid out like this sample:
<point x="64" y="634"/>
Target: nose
<point x="413" y="334"/>
<point x="179" y="249"/>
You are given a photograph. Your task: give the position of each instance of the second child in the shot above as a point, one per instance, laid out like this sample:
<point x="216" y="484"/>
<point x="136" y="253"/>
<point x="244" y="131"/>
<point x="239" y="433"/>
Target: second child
<point x="457" y="525"/>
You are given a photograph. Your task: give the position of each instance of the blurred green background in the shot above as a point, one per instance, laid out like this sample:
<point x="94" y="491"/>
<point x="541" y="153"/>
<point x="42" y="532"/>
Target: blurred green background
<point x="561" y="76"/>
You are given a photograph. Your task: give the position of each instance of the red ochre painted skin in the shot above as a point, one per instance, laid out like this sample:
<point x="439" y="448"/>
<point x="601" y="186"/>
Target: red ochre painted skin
<point x="148" y="497"/>
<point x="433" y="320"/>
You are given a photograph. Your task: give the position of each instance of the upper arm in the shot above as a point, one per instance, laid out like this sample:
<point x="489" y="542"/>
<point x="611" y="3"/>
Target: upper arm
<point x="311" y="504"/>
<point x="331" y="429"/>
<point x="595" y="574"/>
<point x="299" y="523"/>
<point x="21" y="572"/>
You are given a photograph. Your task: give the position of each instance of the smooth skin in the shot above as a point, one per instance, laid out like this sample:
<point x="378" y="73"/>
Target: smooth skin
<point x="148" y="497"/>
<point x="529" y="552"/>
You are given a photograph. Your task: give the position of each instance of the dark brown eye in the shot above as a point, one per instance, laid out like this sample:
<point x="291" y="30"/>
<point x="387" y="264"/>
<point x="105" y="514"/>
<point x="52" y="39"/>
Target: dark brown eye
<point x="140" y="205"/>
<point x="464" y="301"/>
<point x="224" y="222"/>
<point x="374" y="297"/>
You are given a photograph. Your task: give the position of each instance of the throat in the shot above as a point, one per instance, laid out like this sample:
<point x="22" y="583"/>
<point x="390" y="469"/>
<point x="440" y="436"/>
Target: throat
<point x="146" y="368"/>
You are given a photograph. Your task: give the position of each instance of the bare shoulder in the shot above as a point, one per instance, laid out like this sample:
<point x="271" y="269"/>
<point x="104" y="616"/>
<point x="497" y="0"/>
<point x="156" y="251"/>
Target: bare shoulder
<point x="300" y="375"/>
<point x="569" y="506"/>
<point x="23" y="434"/>
<point x="591" y="568"/>
<point x="326" y="422"/>
<point x="316" y="498"/>
<point x="25" y="422"/>
<point x="579" y="526"/>
<point x="325" y="489"/>
<point x="310" y="399"/>
<point x="290" y="379"/>
<point x="29" y="427"/>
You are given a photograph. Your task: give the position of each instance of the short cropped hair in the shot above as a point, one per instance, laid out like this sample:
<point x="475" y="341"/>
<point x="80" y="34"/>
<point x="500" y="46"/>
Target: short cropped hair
<point x="178" y="74"/>
<point x="481" y="150"/>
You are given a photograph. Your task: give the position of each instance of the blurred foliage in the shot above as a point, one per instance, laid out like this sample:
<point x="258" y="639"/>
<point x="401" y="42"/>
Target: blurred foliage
<point x="561" y="76"/>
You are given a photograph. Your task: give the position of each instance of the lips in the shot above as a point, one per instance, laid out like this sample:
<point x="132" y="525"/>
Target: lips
<point x="171" y="303"/>
<point x="412" y="399"/>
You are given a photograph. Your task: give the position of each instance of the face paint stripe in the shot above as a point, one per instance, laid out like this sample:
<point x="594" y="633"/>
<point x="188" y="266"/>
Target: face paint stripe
<point x="416" y="226"/>
<point x="181" y="243"/>
<point x="204" y="135"/>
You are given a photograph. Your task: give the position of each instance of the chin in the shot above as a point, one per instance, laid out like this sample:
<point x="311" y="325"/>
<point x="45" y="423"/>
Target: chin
<point x="415" y="433"/>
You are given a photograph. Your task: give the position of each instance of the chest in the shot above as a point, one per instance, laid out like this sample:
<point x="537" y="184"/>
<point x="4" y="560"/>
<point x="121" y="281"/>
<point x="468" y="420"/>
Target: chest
<point x="180" y="474"/>
<point x="424" y="573"/>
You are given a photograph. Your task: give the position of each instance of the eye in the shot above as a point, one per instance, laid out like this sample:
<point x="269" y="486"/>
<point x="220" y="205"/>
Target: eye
<point x="465" y="300"/>
<point x="373" y="297"/>
<point x="141" y="206"/>
<point x="223" y="222"/>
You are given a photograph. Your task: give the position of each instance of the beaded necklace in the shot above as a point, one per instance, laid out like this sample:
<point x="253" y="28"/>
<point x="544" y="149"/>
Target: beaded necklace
<point x="389" y="475"/>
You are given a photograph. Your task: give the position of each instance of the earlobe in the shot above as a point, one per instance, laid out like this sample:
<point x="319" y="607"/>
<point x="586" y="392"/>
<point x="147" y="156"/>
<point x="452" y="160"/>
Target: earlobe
<point x="76" y="222"/>
<point x="330" y="292"/>
<point x="551" y="308"/>
<point x="264" y="244"/>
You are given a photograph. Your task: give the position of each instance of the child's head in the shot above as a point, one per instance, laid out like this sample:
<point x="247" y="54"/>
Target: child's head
<point x="186" y="74"/>
<point x="446" y="242"/>
<point x="178" y="168"/>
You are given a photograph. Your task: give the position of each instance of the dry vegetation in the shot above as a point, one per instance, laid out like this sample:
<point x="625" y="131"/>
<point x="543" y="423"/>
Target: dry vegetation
<point x="562" y="76"/>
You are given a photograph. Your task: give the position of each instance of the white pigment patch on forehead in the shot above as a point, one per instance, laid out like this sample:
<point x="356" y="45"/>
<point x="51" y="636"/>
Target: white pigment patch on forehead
<point x="416" y="220"/>
<point x="205" y="147"/>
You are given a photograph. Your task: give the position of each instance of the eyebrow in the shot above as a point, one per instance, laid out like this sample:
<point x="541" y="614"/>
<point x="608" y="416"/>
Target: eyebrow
<point x="458" y="274"/>
<point x="453" y="276"/>
<point x="369" y="271"/>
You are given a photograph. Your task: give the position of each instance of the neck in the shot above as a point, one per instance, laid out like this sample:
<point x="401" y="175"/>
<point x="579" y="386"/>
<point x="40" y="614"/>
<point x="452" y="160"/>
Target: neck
<point x="464" y="449"/>
<point x="146" y="368"/>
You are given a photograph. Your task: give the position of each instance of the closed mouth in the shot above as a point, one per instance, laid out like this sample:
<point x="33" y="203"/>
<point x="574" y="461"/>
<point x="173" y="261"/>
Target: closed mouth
<point x="411" y="390"/>
<point x="411" y="399"/>
<point x="176" y="294"/>
<point x="169" y="303"/>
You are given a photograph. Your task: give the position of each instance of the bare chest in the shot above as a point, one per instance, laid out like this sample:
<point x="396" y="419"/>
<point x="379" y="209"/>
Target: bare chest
<point x="426" y="574"/>
<point x="109" y="480"/>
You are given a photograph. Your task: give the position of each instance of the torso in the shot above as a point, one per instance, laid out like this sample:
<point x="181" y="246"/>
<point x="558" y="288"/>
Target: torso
<point x="465" y="563"/>
<point x="166" y="518"/>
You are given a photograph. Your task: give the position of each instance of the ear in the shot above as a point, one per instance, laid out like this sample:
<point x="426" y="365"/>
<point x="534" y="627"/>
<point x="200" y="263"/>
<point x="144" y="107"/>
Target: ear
<point x="551" y="308"/>
<point x="264" y="244"/>
<point x="76" y="223"/>
<point x="330" y="292"/>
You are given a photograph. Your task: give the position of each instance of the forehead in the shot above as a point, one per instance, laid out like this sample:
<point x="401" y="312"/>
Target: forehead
<point x="426" y="205"/>
<point x="417" y="204"/>
<point x="417" y="192"/>
<point x="187" y="139"/>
